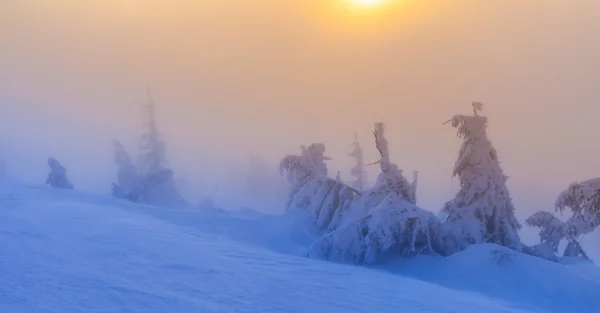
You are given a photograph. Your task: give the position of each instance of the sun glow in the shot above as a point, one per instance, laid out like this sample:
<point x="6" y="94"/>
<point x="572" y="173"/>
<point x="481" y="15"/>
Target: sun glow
<point x="367" y="3"/>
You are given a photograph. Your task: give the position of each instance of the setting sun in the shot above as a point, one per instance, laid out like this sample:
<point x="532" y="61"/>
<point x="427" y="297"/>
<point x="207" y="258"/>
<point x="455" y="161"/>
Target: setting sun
<point x="367" y="3"/>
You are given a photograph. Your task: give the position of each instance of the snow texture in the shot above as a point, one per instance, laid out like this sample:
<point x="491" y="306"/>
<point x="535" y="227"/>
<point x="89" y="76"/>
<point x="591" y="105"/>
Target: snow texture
<point x="74" y="252"/>
<point x="327" y="200"/>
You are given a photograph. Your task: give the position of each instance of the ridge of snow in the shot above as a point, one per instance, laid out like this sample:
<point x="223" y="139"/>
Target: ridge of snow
<point x="67" y="251"/>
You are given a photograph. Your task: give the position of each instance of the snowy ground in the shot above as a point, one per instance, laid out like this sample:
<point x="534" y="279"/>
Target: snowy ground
<point x="65" y="251"/>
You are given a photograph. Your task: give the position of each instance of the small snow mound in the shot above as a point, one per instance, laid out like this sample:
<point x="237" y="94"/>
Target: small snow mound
<point x="504" y="273"/>
<point x="483" y="254"/>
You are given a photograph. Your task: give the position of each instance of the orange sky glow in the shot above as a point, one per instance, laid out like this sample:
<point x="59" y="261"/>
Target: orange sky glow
<point x="239" y="77"/>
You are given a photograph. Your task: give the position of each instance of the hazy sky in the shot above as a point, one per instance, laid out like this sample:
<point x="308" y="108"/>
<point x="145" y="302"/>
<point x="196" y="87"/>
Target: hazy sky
<point x="241" y="77"/>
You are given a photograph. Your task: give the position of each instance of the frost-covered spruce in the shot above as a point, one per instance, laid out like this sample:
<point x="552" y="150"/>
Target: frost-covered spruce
<point x="391" y="178"/>
<point x="358" y="171"/>
<point x="392" y="226"/>
<point x="155" y="185"/>
<point x="57" y="177"/>
<point x="482" y="211"/>
<point x="127" y="173"/>
<point x="327" y="200"/>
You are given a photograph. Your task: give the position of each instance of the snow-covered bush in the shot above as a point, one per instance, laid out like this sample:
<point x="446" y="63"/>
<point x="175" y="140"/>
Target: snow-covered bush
<point x="393" y="228"/>
<point x="552" y="231"/>
<point x="482" y="211"/>
<point x="57" y="177"/>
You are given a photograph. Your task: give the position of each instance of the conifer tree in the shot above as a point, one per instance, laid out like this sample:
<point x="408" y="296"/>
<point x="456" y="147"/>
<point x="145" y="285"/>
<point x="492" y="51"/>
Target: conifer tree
<point x="482" y="210"/>
<point x="153" y="158"/>
<point x="358" y="170"/>
<point x="391" y="178"/>
<point x="155" y="185"/>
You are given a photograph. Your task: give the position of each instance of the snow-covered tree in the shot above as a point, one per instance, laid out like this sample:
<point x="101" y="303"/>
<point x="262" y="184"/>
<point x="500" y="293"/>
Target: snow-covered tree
<point x="153" y="158"/>
<point x="392" y="225"/>
<point x="327" y="200"/>
<point x="309" y="165"/>
<point x="583" y="200"/>
<point x="127" y="173"/>
<point x="155" y="185"/>
<point x="391" y="178"/>
<point x="393" y="228"/>
<point x="552" y="231"/>
<point x="358" y="171"/>
<point x="57" y="177"/>
<point x="482" y="211"/>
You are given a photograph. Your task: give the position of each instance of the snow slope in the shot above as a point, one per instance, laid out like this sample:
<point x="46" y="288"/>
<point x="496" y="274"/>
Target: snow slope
<point x="66" y="251"/>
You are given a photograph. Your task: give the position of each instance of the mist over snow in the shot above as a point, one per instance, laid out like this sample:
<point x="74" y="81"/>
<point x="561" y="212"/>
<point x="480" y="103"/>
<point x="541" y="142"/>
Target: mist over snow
<point x="240" y="138"/>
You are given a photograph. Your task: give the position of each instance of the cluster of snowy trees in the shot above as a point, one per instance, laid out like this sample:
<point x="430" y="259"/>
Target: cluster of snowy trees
<point x="150" y="180"/>
<point x="147" y="181"/>
<point x="367" y="225"/>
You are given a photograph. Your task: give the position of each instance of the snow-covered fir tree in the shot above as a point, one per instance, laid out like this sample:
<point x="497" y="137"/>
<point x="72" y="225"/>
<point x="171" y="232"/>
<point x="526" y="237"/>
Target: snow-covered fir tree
<point x="391" y="225"/>
<point x="391" y="178"/>
<point x="482" y="211"/>
<point x="127" y="173"/>
<point x="326" y="199"/>
<point x="358" y="171"/>
<point x="57" y="177"/>
<point x="153" y="149"/>
<point x="155" y="185"/>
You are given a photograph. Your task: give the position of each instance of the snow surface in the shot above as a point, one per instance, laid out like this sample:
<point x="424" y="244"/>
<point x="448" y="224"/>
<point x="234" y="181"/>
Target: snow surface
<point x="67" y="251"/>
